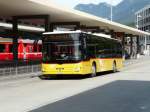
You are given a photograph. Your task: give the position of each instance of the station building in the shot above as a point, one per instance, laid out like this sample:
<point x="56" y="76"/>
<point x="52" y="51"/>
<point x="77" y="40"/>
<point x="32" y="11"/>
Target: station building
<point x="143" y="23"/>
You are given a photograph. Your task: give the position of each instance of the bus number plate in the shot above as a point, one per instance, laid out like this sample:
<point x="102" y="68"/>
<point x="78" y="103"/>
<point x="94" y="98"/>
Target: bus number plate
<point x="59" y="70"/>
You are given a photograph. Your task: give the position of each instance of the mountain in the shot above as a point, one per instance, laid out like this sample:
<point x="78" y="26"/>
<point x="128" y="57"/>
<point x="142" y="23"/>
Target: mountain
<point x="102" y="9"/>
<point x="123" y="13"/>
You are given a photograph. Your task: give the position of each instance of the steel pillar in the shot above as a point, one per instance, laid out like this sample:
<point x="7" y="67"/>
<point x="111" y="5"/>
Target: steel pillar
<point x="138" y="44"/>
<point x="112" y="33"/>
<point x="131" y="45"/>
<point x="123" y="42"/>
<point x="15" y="39"/>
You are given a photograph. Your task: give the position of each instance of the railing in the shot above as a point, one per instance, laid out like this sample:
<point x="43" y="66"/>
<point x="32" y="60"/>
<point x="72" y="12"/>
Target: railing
<point x="18" y="68"/>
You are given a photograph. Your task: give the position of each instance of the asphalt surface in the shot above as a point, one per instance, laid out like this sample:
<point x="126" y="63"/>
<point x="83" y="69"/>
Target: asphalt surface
<point x="118" y="96"/>
<point x="125" y="95"/>
<point x="124" y="91"/>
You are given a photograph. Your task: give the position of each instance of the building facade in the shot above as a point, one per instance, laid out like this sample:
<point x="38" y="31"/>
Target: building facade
<point x="142" y="22"/>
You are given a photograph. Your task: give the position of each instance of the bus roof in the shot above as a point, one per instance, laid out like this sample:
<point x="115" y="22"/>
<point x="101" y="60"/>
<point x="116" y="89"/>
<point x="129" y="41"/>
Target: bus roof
<point x="79" y="31"/>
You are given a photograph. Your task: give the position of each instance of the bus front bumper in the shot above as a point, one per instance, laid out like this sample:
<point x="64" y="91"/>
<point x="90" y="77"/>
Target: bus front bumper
<point x="64" y="69"/>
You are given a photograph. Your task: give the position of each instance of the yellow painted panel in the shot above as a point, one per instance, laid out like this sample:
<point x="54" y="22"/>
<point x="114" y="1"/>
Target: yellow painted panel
<point x="81" y="68"/>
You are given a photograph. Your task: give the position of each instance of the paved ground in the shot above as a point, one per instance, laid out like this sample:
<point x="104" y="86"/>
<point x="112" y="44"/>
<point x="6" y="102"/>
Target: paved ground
<point x="125" y="91"/>
<point x="117" y="96"/>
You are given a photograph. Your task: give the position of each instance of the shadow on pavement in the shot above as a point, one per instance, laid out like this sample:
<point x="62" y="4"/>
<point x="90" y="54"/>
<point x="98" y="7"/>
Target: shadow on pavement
<point x="73" y="77"/>
<point x="118" y="96"/>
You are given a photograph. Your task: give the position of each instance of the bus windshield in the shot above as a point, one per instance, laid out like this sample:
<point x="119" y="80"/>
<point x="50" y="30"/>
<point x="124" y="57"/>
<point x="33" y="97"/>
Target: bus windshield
<point x="61" y="48"/>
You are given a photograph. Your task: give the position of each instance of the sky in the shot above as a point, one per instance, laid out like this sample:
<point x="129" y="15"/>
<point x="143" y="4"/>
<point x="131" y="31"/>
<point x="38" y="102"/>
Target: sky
<point x="73" y="3"/>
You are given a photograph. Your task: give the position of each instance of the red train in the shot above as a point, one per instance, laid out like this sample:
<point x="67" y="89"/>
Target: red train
<point x="27" y="49"/>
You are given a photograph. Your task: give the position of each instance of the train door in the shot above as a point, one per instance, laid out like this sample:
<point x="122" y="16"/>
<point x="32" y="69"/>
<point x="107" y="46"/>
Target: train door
<point x="29" y="52"/>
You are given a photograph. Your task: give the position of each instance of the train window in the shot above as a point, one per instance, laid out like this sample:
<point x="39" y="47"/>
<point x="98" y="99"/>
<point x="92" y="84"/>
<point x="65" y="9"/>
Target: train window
<point x="2" y="47"/>
<point x="30" y="48"/>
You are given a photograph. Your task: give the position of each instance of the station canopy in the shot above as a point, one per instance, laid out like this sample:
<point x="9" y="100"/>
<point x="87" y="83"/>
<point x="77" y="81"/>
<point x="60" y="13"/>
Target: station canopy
<point x="60" y="14"/>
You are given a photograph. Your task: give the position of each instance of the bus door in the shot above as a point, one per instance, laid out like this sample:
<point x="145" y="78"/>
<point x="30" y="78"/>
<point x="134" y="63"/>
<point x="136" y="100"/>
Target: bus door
<point x="85" y="48"/>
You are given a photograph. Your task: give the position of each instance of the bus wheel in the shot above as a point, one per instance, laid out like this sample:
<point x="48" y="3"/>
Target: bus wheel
<point x="114" y="67"/>
<point x="93" y="74"/>
<point x="42" y="77"/>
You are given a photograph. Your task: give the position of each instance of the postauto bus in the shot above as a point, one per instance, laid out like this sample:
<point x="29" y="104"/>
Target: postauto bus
<point x="79" y="53"/>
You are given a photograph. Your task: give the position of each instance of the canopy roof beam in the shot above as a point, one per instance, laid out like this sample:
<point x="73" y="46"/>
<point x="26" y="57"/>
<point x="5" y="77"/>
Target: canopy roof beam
<point x="75" y="24"/>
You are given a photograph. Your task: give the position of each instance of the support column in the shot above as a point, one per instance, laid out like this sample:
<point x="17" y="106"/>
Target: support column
<point x="123" y="42"/>
<point x="131" y="46"/>
<point x="112" y="34"/>
<point x="47" y="23"/>
<point x="15" y="39"/>
<point x="138" y="47"/>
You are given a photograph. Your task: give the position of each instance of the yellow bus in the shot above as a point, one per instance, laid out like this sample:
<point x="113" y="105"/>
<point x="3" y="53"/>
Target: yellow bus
<point x="80" y="53"/>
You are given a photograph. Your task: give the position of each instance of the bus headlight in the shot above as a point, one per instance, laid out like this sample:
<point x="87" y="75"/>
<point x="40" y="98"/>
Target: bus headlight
<point x="77" y="69"/>
<point x="43" y="70"/>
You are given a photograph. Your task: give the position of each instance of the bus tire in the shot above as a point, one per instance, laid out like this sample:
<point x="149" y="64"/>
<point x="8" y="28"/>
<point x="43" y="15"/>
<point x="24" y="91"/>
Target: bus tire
<point x="93" y="74"/>
<point x="114" y="67"/>
<point x="42" y="77"/>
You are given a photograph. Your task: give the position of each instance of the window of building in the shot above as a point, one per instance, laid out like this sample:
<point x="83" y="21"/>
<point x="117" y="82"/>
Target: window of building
<point x="146" y="12"/>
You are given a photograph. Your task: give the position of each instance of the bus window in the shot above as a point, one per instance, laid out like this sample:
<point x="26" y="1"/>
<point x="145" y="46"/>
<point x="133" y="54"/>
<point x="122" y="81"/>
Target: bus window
<point x="91" y="46"/>
<point x="107" y="49"/>
<point x="2" y="47"/>
<point x="64" y="49"/>
<point x="100" y="48"/>
<point x="113" y="48"/>
<point x="119" y="50"/>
